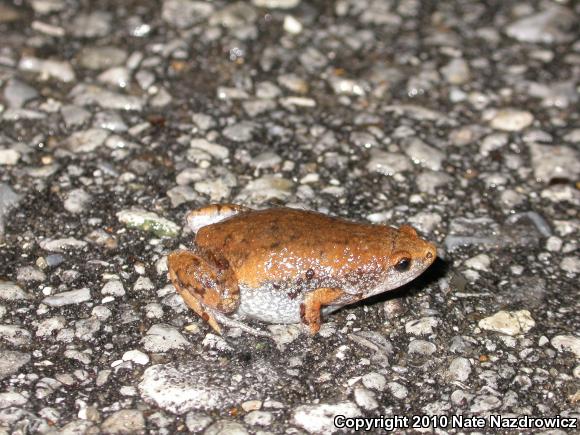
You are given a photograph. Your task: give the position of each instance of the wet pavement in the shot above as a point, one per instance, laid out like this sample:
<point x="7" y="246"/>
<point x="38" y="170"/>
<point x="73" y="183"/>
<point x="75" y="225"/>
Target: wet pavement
<point x="460" y="118"/>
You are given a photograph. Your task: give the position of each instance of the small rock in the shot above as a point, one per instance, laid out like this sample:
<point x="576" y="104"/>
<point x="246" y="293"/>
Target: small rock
<point x="197" y="421"/>
<point x="149" y="222"/>
<point x="240" y="132"/>
<point x="276" y="4"/>
<point x="9" y="156"/>
<point x="551" y="26"/>
<point x="11" y="398"/>
<point x="388" y="163"/>
<point x="266" y="188"/>
<point x="226" y="427"/>
<point x="456" y="72"/>
<point x="374" y="381"/>
<point x="259" y="418"/>
<point x="87" y="95"/>
<point x="14" y="335"/>
<point x="569" y="343"/>
<point x="17" y="93"/>
<point x="398" y="390"/>
<point x="136" y="356"/>
<point x="46" y="327"/>
<point x="58" y="70"/>
<point x="365" y="398"/>
<point x="508" y="322"/>
<point x="162" y="338"/>
<point x="77" y="201"/>
<point x="320" y="418"/>
<point x="125" y="421"/>
<point x="479" y="262"/>
<point x="98" y="58"/>
<point x="62" y="245"/>
<point x="113" y="288"/>
<point x="10" y="291"/>
<point x="91" y="25"/>
<point x="459" y="370"/>
<point x="68" y="298"/>
<point x="185" y="13"/>
<point x="570" y="264"/>
<point x="30" y="274"/>
<point x="11" y="362"/>
<point x="485" y="403"/>
<point x="551" y="161"/>
<point x="511" y="120"/>
<point x="87" y="140"/>
<point x="422" y="326"/>
<point x="422" y="347"/>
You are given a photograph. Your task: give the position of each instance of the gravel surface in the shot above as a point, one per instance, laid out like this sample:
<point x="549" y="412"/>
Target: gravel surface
<point x="458" y="117"/>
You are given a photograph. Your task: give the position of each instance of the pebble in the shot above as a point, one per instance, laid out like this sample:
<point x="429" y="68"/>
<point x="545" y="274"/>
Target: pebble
<point x="136" y="356"/>
<point x="374" y="381"/>
<point x="485" y="403"/>
<point x="567" y="343"/>
<point x="266" y="188"/>
<point x="552" y="26"/>
<point x="143" y="283"/>
<point x="68" y="298"/>
<point x="226" y="427"/>
<point x="113" y="287"/>
<point x="456" y="72"/>
<point x="58" y="70"/>
<point x="423" y="154"/>
<point x="29" y="274"/>
<point x="240" y="132"/>
<point x="125" y="421"/>
<point x="14" y="335"/>
<point x="554" y="162"/>
<point x="292" y="25"/>
<point x="179" y="389"/>
<point x="86" y="141"/>
<point x="399" y="391"/>
<point x="320" y="418"/>
<point x="162" y="338"/>
<point x="197" y="421"/>
<point x="429" y="181"/>
<point x="570" y="264"/>
<point x="421" y="347"/>
<point x="77" y="201"/>
<point x="148" y="221"/>
<point x="276" y="4"/>
<point x="388" y="163"/>
<point x="185" y="13"/>
<point x="11" y="362"/>
<point x="511" y="120"/>
<point x="12" y="398"/>
<point x="91" y="25"/>
<point x="213" y="149"/>
<point x="9" y="156"/>
<point x="479" y="262"/>
<point x="365" y="398"/>
<point x="267" y="159"/>
<point x="459" y="370"/>
<point x="508" y="322"/>
<point x="46" y="327"/>
<point x="10" y="291"/>
<point x="234" y="15"/>
<point x="62" y="245"/>
<point x="18" y="93"/>
<point x="425" y="222"/>
<point x="100" y="58"/>
<point x="259" y="418"/>
<point x="88" y="95"/>
<point x="422" y="326"/>
<point x="344" y="86"/>
<point x="74" y="115"/>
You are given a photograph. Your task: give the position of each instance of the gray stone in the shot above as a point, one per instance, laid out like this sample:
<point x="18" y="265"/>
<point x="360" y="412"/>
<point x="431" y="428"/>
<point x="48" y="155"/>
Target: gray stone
<point x="266" y="188"/>
<point x="125" y="421"/>
<point x="11" y="362"/>
<point x="87" y="140"/>
<point x="77" y="201"/>
<point x="62" y="245"/>
<point x="508" y="322"/>
<point x="511" y="119"/>
<point x="374" y="381"/>
<point x="17" y="93"/>
<point x="320" y="418"/>
<point x="8" y="200"/>
<point x="185" y="13"/>
<point x="162" y="338"/>
<point x="58" y="70"/>
<point x="568" y="343"/>
<point x="553" y="161"/>
<point x="91" y="25"/>
<point x="551" y="26"/>
<point x="11" y="398"/>
<point x="388" y="163"/>
<point x="113" y="288"/>
<point x="398" y="390"/>
<point x="240" y="132"/>
<point x="422" y="347"/>
<point x="14" y="335"/>
<point x="71" y="297"/>
<point x="459" y="370"/>
<point x="148" y="221"/>
<point x="99" y="58"/>
<point x="422" y="326"/>
<point x="10" y="291"/>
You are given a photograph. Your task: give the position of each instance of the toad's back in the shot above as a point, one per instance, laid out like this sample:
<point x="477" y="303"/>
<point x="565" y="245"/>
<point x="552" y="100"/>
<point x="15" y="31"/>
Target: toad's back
<point x="282" y="243"/>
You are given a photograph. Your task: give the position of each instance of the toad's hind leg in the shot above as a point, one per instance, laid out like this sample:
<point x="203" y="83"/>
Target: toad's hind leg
<point x="206" y="283"/>
<point x="313" y="303"/>
<point x="211" y="214"/>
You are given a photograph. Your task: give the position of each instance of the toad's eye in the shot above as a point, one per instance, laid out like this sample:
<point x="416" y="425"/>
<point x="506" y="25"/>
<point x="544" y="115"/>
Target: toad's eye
<point x="403" y="264"/>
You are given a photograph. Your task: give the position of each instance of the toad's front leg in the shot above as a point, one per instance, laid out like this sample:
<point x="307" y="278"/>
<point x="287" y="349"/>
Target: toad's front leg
<point x="206" y="283"/>
<point x="313" y="303"/>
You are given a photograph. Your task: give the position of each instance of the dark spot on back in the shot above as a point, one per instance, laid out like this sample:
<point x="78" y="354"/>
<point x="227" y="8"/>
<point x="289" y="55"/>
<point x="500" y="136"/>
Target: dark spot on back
<point x="309" y="274"/>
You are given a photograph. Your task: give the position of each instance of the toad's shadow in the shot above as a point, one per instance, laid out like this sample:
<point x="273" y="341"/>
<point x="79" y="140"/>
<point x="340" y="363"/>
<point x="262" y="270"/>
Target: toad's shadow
<point x="437" y="270"/>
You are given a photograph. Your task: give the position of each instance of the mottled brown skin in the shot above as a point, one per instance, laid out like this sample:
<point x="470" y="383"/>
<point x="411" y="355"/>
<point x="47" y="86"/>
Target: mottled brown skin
<point x="291" y="255"/>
